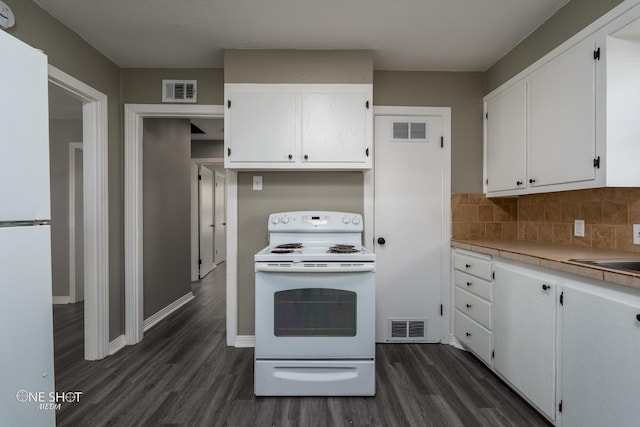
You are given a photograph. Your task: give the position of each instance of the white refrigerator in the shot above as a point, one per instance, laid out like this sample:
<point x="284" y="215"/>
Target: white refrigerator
<point x="26" y="326"/>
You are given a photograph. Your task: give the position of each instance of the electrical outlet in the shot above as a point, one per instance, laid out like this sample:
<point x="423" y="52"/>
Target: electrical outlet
<point x="578" y="228"/>
<point x="257" y="183"/>
<point x="636" y="234"/>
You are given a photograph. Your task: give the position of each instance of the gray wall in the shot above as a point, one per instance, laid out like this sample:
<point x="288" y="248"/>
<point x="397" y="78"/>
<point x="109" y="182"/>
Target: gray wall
<point x="207" y="149"/>
<point x="459" y="90"/>
<point x="61" y="133"/>
<point x="298" y="66"/>
<point x="166" y="212"/>
<point x="573" y="17"/>
<point x="283" y="191"/>
<point x="69" y="53"/>
<point x="144" y="85"/>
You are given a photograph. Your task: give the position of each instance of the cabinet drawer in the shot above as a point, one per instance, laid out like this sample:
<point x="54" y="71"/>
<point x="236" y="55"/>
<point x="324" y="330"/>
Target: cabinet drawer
<point x="474" y="336"/>
<point x="474" y="307"/>
<point x="472" y="265"/>
<point x="477" y="286"/>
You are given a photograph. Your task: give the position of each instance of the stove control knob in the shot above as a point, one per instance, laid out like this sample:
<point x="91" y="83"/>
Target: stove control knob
<point x="275" y="220"/>
<point x="346" y="219"/>
<point x="355" y="220"/>
<point x="284" y="220"/>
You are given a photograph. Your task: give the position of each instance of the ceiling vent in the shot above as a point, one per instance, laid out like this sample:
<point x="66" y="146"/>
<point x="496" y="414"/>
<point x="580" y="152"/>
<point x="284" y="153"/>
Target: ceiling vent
<point x="407" y="330"/>
<point x="409" y="131"/>
<point x="179" y="90"/>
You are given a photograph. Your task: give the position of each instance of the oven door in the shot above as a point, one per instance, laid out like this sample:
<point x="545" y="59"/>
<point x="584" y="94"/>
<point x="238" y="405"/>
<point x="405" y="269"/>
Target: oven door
<point x="315" y="311"/>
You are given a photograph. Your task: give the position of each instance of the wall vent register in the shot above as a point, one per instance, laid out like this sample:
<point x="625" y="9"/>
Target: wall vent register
<point x="409" y="131"/>
<point x="179" y="91"/>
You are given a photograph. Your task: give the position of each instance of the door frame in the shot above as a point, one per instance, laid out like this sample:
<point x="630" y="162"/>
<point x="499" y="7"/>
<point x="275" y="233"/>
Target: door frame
<point x="73" y="146"/>
<point x="96" y="211"/>
<point x="134" y="114"/>
<point x="195" y="208"/>
<point x="369" y="205"/>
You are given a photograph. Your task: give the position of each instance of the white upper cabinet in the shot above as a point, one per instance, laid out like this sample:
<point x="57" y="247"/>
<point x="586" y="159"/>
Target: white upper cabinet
<point x="562" y="112"/>
<point x="262" y="126"/>
<point x="506" y="139"/>
<point x="298" y="126"/>
<point x="581" y="114"/>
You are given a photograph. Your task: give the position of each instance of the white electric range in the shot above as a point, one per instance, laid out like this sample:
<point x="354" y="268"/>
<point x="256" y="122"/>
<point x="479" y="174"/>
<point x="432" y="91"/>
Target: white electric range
<point x="315" y="307"/>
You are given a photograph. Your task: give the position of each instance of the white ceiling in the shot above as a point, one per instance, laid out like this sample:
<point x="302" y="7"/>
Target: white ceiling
<point x="435" y="35"/>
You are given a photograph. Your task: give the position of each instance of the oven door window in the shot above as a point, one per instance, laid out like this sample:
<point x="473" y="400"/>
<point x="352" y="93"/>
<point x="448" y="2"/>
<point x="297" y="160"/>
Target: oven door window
<point x="315" y="312"/>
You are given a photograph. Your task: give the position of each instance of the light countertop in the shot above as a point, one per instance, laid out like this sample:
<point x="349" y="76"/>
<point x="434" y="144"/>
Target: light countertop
<point x="555" y="257"/>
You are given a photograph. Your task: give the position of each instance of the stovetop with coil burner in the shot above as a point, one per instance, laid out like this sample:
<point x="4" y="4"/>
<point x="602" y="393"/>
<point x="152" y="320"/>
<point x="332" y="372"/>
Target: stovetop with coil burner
<point x="315" y="236"/>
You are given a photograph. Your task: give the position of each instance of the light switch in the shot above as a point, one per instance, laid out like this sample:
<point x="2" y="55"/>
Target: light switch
<point x="257" y="183"/>
<point x="636" y="234"/>
<point x="578" y="228"/>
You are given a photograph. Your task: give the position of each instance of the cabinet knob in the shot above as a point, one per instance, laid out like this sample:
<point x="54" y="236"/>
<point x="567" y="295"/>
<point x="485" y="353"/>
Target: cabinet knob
<point x="531" y="181"/>
<point x="306" y="156"/>
<point x="638" y="317"/>
<point x="545" y="287"/>
<point x="468" y="334"/>
<point x="381" y="241"/>
<point x="290" y="156"/>
<point x="468" y="305"/>
<point x="518" y="183"/>
<point x="467" y="265"/>
<point x="469" y="283"/>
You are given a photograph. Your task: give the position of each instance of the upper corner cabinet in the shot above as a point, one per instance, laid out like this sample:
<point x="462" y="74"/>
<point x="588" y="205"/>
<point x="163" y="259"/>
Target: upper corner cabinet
<point x="298" y="126"/>
<point x="540" y="131"/>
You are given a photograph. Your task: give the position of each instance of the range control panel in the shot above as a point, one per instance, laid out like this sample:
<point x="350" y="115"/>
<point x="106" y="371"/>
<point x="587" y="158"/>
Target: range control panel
<point x="310" y="221"/>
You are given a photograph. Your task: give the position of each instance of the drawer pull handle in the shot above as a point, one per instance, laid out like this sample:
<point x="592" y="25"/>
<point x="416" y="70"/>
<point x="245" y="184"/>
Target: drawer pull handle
<point x="546" y="287"/>
<point x="469" y="283"/>
<point x="468" y="334"/>
<point x="467" y="265"/>
<point x="468" y="305"/>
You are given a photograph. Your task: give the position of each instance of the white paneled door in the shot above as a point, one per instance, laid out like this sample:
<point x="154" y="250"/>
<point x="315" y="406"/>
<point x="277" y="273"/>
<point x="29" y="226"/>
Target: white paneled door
<point x="409" y="197"/>
<point x="207" y="223"/>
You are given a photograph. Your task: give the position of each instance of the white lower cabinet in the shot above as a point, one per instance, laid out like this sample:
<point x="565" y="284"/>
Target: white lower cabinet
<point x="524" y="333"/>
<point x="600" y="373"/>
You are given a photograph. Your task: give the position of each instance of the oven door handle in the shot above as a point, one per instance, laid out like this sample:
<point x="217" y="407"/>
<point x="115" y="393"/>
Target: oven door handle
<point x="314" y="268"/>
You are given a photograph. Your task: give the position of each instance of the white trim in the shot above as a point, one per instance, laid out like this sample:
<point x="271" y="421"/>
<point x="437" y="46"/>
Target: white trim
<point x="96" y="212"/>
<point x="232" y="257"/>
<point x="61" y="300"/>
<point x="245" y="341"/>
<point x="369" y="206"/>
<point x="133" y="255"/>
<point x="73" y="146"/>
<point x="117" y="345"/>
<point x="195" y="209"/>
<point x="158" y="317"/>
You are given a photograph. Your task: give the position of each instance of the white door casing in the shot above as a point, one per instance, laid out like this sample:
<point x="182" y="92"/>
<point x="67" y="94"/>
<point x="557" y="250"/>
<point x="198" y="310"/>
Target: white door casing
<point x="220" y="233"/>
<point x="134" y="114"/>
<point x="76" y="250"/>
<point x="411" y="204"/>
<point x="96" y="212"/>
<point x="206" y="222"/>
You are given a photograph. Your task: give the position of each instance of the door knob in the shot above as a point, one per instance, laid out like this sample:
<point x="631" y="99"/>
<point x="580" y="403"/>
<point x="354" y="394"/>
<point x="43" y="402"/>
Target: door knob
<point x="211" y="225"/>
<point x="381" y="241"/>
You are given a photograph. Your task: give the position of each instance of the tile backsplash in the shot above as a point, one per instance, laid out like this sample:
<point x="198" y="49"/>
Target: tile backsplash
<point x="609" y="215"/>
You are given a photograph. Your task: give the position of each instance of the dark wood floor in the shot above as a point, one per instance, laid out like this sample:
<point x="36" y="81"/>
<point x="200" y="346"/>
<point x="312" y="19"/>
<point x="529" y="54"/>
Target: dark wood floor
<point x="183" y="374"/>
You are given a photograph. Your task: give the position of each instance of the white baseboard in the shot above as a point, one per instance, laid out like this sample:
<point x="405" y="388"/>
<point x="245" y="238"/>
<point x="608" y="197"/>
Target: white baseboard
<point x="245" y="341"/>
<point x="453" y="341"/>
<point x="117" y="345"/>
<point x="61" y="300"/>
<point x="160" y="315"/>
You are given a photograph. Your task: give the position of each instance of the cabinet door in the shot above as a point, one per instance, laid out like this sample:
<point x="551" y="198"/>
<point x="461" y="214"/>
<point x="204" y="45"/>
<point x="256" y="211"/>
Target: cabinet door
<point x="524" y="333"/>
<point x="600" y="351"/>
<point x="262" y="126"/>
<point x="562" y="118"/>
<point x="335" y="127"/>
<point x="506" y="139"/>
